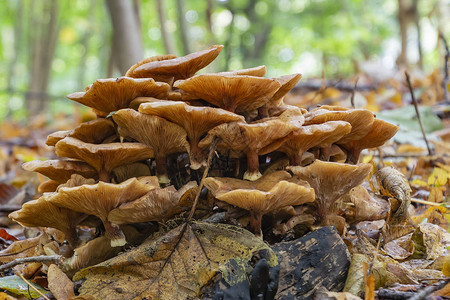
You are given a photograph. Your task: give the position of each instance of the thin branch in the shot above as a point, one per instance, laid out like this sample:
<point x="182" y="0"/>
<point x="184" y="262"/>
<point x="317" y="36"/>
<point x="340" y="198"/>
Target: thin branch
<point x="446" y="76"/>
<point x="32" y="286"/>
<point x="41" y="259"/>
<point x="416" y="200"/>
<point x="352" y="99"/>
<point x="418" y="113"/>
<point x="212" y="149"/>
<point x="423" y="294"/>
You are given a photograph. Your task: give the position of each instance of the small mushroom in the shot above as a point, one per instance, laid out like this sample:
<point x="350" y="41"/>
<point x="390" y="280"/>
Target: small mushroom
<point x="330" y="181"/>
<point x="254" y="139"/>
<point x="235" y="93"/>
<point x="179" y="67"/>
<point x="60" y="170"/>
<point x="157" y="205"/>
<point x="108" y="95"/>
<point x="380" y="132"/>
<point x="162" y="136"/>
<point x="130" y="72"/>
<point x="258" y="71"/>
<point x="94" y="132"/>
<point x="309" y="136"/>
<point x="268" y="194"/>
<point x="360" y="119"/>
<point x="41" y="213"/>
<point x="103" y="157"/>
<point x="195" y="120"/>
<point x="99" y="199"/>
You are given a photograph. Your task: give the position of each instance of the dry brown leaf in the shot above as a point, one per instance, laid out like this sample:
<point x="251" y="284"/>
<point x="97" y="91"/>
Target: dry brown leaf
<point x="172" y="266"/>
<point x="59" y="284"/>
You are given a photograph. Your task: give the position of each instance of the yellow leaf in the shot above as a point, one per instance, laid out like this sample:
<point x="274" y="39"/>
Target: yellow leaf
<point x="175" y="265"/>
<point x="446" y="267"/>
<point x="438" y="177"/>
<point x="436" y="195"/>
<point x="418" y="183"/>
<point x="406" y="148"/>
<point x="367" y="158"/>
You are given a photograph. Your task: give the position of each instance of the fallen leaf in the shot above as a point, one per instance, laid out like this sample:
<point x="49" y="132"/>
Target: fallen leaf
<point x="6" y="236"/>
<point x="176" y="264"/>
<point x="438" y="177"/>
<point x="15" y="285"/>
<point x="59" y="284"/>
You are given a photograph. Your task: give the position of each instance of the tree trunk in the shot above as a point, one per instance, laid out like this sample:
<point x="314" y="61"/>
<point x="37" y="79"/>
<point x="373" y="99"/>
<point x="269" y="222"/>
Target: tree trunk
<point x="183" y="27"/>
<point x="168" y="45"/>
<point x="127" y="42"/>
<point x="43" y="49"/>
<point x="402" y="59"/>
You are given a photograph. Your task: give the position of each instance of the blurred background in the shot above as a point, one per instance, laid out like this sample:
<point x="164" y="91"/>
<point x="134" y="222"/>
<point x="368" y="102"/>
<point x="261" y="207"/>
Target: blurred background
<point x="49" y="48"/>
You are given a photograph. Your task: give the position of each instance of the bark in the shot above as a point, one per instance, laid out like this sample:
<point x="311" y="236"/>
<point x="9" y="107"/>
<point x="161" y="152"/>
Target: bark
<point x="127" y="41"/>
<point x="43" y="42"/>
<point x="183" y="27"/>
<point x="168" y="44"/>
<point x="403" y="24"/>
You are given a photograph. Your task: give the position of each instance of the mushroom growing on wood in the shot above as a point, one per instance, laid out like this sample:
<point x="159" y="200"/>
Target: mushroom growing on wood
<point x="107" y="95"/>
<point x="254" y="139"/>
<point x="60" y="170"/>
<point x="177" y="68"/>
<point x="162" y="136"/>
<point x="42" y="213"/>
<point x="380" y="132"/>
<point x="309" y="136"/>
<point x="235" y="93"/>
<point x="268" y="194"/>
<point x="157" y="205"/>
<point x="197" y="121"/>
<point x="94" y="132"/>
<point x="103" y="157"/>
<point x="330" y="181"/>
<point x="99" y="199"/>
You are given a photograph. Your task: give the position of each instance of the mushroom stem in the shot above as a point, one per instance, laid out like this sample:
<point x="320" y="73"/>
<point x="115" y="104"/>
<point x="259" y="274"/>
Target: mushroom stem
<point x="103" y="175"/>
<point x="255" y="222"/>
<point x="325" y="153"/>
<point x="161" y="169"/>
<point x="353" y="156"/>
<point x="263" y="112"/>
<point x="113" y="232"/>
<point x="72" y="237"/>
<point x="252" y="172"/>
<point x="197" y="157"/>
<point x="296" y="159"/>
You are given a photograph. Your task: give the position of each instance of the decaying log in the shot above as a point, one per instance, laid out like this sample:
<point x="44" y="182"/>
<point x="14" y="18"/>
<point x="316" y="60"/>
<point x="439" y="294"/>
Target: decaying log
<point x="319" y="258"/>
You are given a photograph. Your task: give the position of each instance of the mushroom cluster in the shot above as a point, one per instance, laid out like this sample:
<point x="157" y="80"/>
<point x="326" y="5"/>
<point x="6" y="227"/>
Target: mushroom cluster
<point x="138" y="161"/>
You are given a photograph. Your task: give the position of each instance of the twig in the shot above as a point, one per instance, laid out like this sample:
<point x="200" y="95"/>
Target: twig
<point x="212" y="149"/>
<point x="41" y="259"/>
<point x="352" y="99"/>
<point x="417" y="112"/>
<point x="446" y="58"/>
<point x="32" y="286"/>
<point x="425" y="202"/>
<point x="393" y="295"/>
<point x="423" y="294"/>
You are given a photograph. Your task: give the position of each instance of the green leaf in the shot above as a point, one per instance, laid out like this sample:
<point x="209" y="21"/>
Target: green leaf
<point x="15" y="285"/>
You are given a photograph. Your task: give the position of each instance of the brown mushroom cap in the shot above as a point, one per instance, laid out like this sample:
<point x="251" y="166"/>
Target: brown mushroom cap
<point x="178" y="68"/>
<point x="379" y="133"/>
<point x="48" y="186"/>
<point x="130" y="72"/>
<point x="317" y="135"/>
<point x="128" y="171"/>
<point x="287" y="82"/>
<point x="42" y="213"/>
<point x="60" y="170"/>
<point x="195" y="120"/>
<point x="330" y="181"/>
<point x="360" y="119"/>
<point x="157" y="205"/>
<point x="95" y="132"/>
<point x="162" y="136"/>
<point x="76" y="180"/>
<point x="265" y="135"/>
<point x="269" y="193"/>
<point x="258" y="71"/>
<point x="99" y="199"/>
<point x="236" y="93"/>
<point x="103" y="157"/>
<point x="107" y="95"/>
